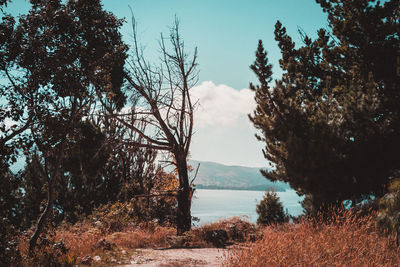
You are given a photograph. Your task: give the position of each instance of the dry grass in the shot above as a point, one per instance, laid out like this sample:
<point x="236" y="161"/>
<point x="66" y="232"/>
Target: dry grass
<point x="79" y="240"/>
<point x="151" y="237"/>
<point x="84" y="243"/>
<point x="345" y="239"/>
<point x="84" y="239"/>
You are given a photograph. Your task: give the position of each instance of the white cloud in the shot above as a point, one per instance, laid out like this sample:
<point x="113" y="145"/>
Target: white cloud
<point x="223" y="132"/>
<point x="221" y="105"/>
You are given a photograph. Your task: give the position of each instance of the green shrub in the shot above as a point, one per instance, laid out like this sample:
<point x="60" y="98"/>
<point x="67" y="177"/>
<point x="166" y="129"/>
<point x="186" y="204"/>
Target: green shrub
<point x="270" y="210"/>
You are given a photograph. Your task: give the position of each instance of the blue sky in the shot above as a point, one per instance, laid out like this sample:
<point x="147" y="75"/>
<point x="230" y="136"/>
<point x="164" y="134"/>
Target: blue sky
<point x="226" y="34"/>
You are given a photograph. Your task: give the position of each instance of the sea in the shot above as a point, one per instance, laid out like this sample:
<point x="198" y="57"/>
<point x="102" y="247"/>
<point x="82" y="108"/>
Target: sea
<point x="210" y="205"/>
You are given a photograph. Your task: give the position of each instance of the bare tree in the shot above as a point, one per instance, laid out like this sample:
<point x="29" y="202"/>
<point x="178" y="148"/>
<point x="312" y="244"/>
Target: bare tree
<point x="160" y="97"/>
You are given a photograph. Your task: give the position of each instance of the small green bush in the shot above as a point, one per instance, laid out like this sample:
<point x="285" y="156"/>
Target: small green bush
<point x="270" y="210"/>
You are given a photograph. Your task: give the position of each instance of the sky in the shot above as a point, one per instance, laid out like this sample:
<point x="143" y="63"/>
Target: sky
<point x="226" y="34"/>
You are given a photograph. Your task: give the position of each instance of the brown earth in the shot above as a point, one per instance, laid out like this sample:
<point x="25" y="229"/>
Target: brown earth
<point x="178" y="257"/>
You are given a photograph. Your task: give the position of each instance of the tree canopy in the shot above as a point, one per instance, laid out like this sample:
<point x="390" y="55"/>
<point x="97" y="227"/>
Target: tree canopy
<point x="57" y="60"/>
<point x="331" y="123"/>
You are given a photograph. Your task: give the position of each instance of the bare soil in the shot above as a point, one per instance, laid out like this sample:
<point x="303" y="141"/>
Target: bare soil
<point x="178" y="257"/>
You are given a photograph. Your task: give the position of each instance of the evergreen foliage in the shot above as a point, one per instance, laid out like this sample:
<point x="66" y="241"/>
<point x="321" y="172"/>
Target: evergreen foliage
<point x="270" y="210"/>
<point x="331" y="123"/>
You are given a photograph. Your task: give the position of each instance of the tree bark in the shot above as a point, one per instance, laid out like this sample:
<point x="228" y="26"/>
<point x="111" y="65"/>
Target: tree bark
<point x="43" y="218"/>
<point x="184" y="197"/>
<point x="50" y="199"/>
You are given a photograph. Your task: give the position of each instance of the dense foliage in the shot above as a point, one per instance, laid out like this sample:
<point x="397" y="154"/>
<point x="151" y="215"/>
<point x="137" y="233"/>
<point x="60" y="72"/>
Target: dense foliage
<point x="58" y="63"/>
<point x="83" y="184"/>
<point x="331" y="123"/>
<point x="270" y="210"/>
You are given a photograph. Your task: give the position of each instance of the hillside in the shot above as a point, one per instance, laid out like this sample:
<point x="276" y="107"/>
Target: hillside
<point x="213" y="175"/>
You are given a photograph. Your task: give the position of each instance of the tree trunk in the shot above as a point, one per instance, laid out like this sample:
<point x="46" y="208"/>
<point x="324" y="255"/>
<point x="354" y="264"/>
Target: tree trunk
<point x="184" y="197"/>
<point x="43" y="218"/>
<point x="50" y="198"/>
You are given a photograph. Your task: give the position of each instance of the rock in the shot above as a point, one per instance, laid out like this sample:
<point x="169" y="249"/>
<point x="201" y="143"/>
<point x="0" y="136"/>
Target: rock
<point x="87" y="260"/>
<point x="123" y="252"/>
<point x="96" y="258"/>
<point x="217" y="237"/>
<point x="102" y="243"/>
<point x="98" y="224"/>
<point x="61" y="247"/>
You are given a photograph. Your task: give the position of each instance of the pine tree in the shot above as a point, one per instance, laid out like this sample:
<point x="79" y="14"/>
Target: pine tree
<point x="270" y="210"/>
<point x="331" y="123"/>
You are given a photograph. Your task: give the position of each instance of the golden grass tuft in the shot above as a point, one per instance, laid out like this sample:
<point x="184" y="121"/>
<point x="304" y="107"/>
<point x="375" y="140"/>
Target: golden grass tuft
<point x="82" y="243"/>
<point x="82" y="239"/>
<point x="154" y="237"/>
<point x="345" y="239"/>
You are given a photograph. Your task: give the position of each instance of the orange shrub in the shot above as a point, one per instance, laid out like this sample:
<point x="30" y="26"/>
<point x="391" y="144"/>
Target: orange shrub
<point x="345" y="239"/>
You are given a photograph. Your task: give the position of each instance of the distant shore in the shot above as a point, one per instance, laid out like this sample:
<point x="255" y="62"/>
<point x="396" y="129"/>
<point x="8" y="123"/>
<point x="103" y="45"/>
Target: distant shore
<point x="250" y="188"/>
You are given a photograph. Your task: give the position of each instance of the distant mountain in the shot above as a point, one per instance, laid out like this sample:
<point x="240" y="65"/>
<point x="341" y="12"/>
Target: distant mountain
<point x="213" y="175"/>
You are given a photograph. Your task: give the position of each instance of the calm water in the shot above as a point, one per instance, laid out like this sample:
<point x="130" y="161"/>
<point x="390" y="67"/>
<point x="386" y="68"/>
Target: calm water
<point x="212" y="205"/>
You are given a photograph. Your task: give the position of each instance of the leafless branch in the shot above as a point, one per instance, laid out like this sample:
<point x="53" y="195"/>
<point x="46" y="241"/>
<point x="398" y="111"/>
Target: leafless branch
<point x="195" y="175"/>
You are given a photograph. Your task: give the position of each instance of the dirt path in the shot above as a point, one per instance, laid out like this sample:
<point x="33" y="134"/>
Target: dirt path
<point x="178" y="257"/>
